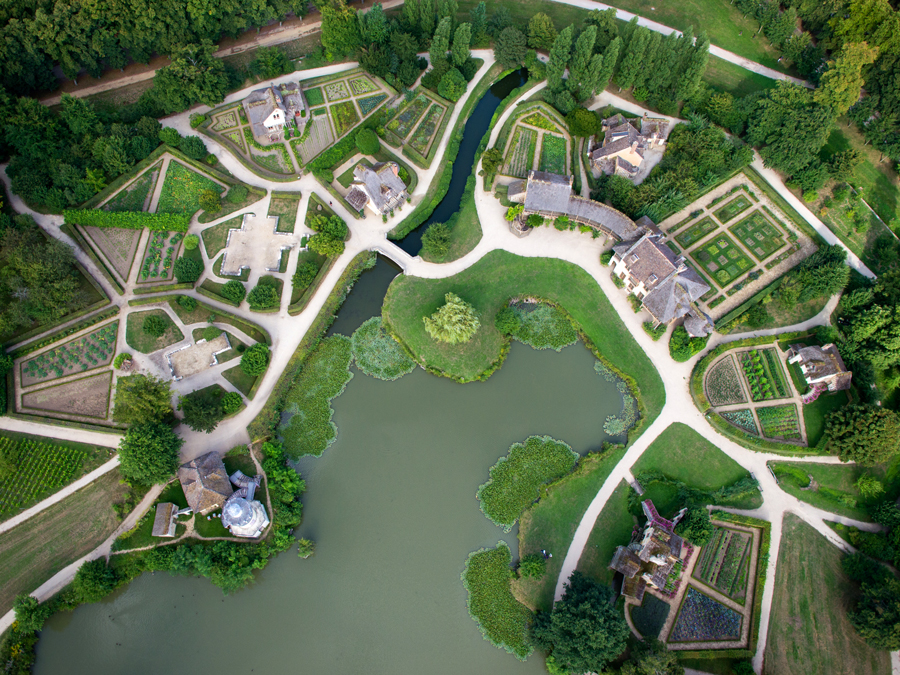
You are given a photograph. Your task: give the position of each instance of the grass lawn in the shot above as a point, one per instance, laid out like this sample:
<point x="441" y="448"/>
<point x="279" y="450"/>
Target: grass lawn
<point x="253" y="196"/>
<point x="678" y="451"/>
<point x="465" y="233"/>
<point x="286" y="210"/>
<point x="217" y="270"/>
<point x="725" y="76"/>
<point x="721" y="20"/>
<point x="242" y="382"/>
<point x="550" y="524"/>
<point x="779" y="315"/>
<point x="317" y="207"/>
<point x="488" y="284"/>
<point x="202" y="312"/>
<point x="36" y="550"/>
<point x="142" y="535"/>
<point x="146" y="344"/>
<point x="209" y="528"/>
<point x="809" y="632"/>
<point x="814" y="413"/>
<point x="304" y="257"/>
<point x="613" y="528"/>
<point x="829" y="477"/>
<point x="215" y="237"/>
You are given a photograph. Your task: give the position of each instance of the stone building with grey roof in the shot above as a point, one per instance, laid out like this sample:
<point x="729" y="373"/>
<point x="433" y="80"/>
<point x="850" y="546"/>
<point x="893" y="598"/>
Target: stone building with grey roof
<point x="273" y="109"/>
<point x="654" y="558"/>
<point x="380" y="188"/>
<point x="205" y="483"/>
<point x="550" y="195"/>
<point x="662" y="281"/>
<point x="822" y="367"/>
<point x="625" y="142"/>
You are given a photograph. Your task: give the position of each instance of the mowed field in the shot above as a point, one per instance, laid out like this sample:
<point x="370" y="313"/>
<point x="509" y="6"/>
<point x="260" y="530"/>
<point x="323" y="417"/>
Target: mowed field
<point x="809" y="632"/>
<point x="43" y="545"/>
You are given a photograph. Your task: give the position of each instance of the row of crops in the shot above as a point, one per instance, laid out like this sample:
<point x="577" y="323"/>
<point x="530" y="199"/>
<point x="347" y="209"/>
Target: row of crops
<point x="764" y="375"/>
<point x="780" y="421"/>
<point x="725" y="562"/>
<point x="90" y="351"/>
<point x="160" y="255"/>
<point x="31" y="470"/>
<point x="520" y="158"/>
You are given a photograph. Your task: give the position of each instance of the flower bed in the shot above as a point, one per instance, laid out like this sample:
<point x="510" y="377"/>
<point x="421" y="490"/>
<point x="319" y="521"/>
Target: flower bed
<point x="161" y="251"/>
<point x="780" y="421"/>
<point x="41" y="469"/>
<point x="362" y="85"/>
<point x="237" y="138"/>
<point x="336" y="91"/>
<point x="723" y="387"/>
<point x="760" y="236"/>
<point x="702" y="619"/>
<point x="403" y="123"/>
<point x="722" y="258"/>
<point x="369" y="103"/>
<point x="423" y="133"/>
<point x="90" y="351"/>
<point x="314" y="96"/>
<point x="344" y="116"/>
<point x="226" y="120"/>
<point x="742" y="419"/>
<point x="553" y="154"/>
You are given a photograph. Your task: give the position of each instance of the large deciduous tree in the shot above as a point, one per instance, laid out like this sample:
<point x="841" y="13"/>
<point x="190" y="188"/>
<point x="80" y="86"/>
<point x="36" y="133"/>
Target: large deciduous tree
<point x="584" y="632"/>
<point x="541" y="32"/>
<point x="148" y="453"/>
<point x="877" y="614"/>
<point x="340" y="28"/>
<point x="141" y="398"/>
<point x="194" y="76"/>
<point x="840" y="85"/>
<point x="454" y="322"/>
<point x="510" y="48"/>
<point x="864" y="434"/>
<point x="201" y="412"/>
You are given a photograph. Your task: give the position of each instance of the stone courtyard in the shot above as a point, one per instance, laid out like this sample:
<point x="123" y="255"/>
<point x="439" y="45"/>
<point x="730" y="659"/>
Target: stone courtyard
<point x="197" y="357"/>
<point x="256" y="245"/>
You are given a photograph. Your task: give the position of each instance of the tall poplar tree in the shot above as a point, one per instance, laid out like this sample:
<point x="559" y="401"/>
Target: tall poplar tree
<point x="461" y="40"/>
<point x="559" y="58"/>
<point x="478" y="18"/>
<point x="608" y="67"/>
<point x="440" y="43"/>
<point x="648" y="62"/>
<point x="692" y="73"/>
<point x="632" y="62"/>
<point x="427" y="16"/>
<point x="581" y="74"/>
<point x="666" y="67"/>
<point x="410" y="13"/>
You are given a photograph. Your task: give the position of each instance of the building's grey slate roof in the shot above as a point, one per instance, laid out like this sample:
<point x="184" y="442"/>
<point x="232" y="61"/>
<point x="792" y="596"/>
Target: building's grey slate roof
<point x="550" y="193"/>
<point x="823" y="362"/>
<point x="164" y="521"/>
<point x="698" y="324"/>
<point x="671" y="299"/>
<point x="205" y="483"/>
<point x="516" y="191"/>
<point x="382" y="184"/>
<point x="261" y="103"/>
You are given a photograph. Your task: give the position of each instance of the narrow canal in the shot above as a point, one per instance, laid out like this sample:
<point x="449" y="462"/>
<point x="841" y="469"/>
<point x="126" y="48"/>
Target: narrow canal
<point x="477" y="124"/>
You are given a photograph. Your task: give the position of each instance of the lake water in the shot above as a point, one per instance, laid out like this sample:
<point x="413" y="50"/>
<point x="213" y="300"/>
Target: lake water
<point x="392" y="508"/>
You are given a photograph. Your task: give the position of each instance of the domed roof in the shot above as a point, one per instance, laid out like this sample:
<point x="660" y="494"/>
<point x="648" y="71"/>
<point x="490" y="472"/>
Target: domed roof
<point x="237" y="512"/>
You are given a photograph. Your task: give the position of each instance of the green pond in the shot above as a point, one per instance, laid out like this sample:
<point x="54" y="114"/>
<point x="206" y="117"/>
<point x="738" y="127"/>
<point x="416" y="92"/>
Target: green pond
<point x="392" y="508"/>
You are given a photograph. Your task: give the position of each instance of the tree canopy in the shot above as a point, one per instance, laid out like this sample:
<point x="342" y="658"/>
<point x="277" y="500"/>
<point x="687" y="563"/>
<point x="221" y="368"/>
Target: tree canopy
<point x="142" y="398"/>
<point x="510" y="48"/>
<point x="454" y="322"/>
<point x="148" y="453"/>
<point x="194" y="75"/>
<point x="864" y="434"/>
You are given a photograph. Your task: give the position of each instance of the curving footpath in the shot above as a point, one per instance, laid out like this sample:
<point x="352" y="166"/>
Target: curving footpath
<point x="367" y="234"/>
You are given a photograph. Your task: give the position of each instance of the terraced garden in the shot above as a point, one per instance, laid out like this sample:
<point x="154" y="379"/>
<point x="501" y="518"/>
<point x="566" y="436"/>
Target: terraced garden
<point x="553" y="154"/>
<point x="520" y="157"/>
<point x="91" y="351"/>
<point x="722" y="259"/>
<point x="725" y="562"/>
<point x="759" y="235"/>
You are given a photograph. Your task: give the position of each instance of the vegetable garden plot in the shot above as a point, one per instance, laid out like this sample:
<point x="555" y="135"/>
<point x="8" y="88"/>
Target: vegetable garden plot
<point x="722" y="259"/>
<point x="764" y="375"/>
<point x="85" y="397"/>
<point x="553" y="154"/>
<point x="369" y="103"/>
<point x="725" y="561"/>
<point x="362" y="85"/>
<point x="696" y="232"/>
<point x="737" y="205"/>
<point x="723" y="386"/>
<point x="759" y="235"/>
<point x="118" y="244"/>
<point x="520" y="157"/>
<point x="336" y="91"/>
<point x="40" y="469"/>
<point x="181" y="190"/>
<point x="320" y="137"/>
<point x="421" y="138"/>
<point x="742" y="419"/>
<point x="780" y="421"/>
<point x="703" y="619"/>
<point x="344" y="116"/>
<point x="91" y="351"/>
<point x="225" y="120"/>
<point x="133" y="196"/>
<point x="160" y="256"/>
<point x="409" y="113"/>
<point x="538" y="120"/>
<point x="237" y="138"/>
<point x="314" y="96"/>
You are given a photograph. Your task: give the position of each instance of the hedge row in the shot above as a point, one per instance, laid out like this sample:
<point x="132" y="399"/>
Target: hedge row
<point x="266" y="422"/>
<point x="762" y="564"/>
<point x="128" y="220"/>
<point x="161" y="288"/>
<point x="304" y="299"/>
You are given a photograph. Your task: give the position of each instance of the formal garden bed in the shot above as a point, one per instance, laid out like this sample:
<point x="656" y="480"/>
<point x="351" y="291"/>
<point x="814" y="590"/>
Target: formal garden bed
<point x="181" y="189"/>
<point x="320" y="136"/>
<point x="424" y="135"/>
<point x="344" y="116"/>
<point x="94" y="350"/>
<point x="733" y="208"/>
<point x="704" y="619"/>
<point x="780" y="422"/>
<point x="761" y="237"/>
<point x="722" y="259"/>
<point x="724" y="562"/>
<point x="408" y="114"/>
<point x="742" y="419"/>
<point x="763" y="375"/>
<point x="696" y="232"/>
<point x="84" y="397"/>
<point x="722" y="384"/>
<point x="159" y="257"/>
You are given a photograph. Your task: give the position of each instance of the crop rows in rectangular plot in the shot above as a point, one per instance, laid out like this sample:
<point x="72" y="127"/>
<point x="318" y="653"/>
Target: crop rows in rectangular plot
<point x="520" y="157"/>
<point x="408" y="115"/>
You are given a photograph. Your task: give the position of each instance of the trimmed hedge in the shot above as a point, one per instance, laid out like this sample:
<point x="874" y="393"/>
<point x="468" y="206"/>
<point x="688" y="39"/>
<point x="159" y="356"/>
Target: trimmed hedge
<point x="162" y="288"/>
<point x="128" y="220"/>
<point x="754" y="300"/>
